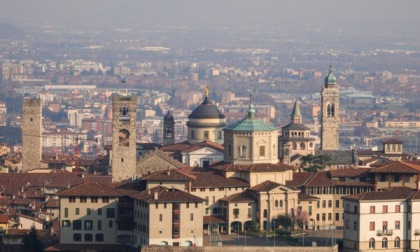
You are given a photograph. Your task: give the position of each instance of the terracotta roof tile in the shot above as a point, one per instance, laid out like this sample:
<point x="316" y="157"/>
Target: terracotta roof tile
<point x="350" y="172"/>
<point x="398" y="167"/>
<point x="225" y="166"/>
<point x="306" y="197"/>
<point x="242" y="197"/>
<point x="89" y="188"/>
<point x="265" y="186"/>
<point x="166" y="195"/>
<point x="204" y="144"/>
<point x="215" y="179"/>
<point x="299" y="178"/>
<point x="321" y="178"/>
<point x="4" y="218"/>
<point x="168" y="175"/>
<point x="391" y="193"/>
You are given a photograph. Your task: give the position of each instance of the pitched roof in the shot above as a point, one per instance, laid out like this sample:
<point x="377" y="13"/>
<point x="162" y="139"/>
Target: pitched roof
<point x="250" y="125"/>
<point x="391" y="193"/>
<point x="161" y="194"/>
<point x="321" y="178"/>
<point x="4" y="218"/>
<point x="89" y="188"/>
<point x="242" y="197"/>
<point x="306" y="197"/>
<point x="398" y="167"/>
<point x="299" y="178"/>
<point x="176" y="147"/>
<point x="295" y="126"/>
<point x="215" y="179"/>
<point x="265" y="186"/>
<point x="168" y="175"/>
<point x="204" y="144"/>
<point x="350" y="172"/>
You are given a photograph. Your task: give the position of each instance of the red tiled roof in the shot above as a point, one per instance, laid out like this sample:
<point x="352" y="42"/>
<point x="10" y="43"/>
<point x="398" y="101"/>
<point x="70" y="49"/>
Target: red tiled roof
<point x="168" y="175"/>
<point x="391" y="193"/>
<point x="321" y="178"/>
<point x="299" y="178"/>
<point x="306" y="197"/>
<point x="398" y="167"/>
<point x="166" y="195"/>
<point x="4" y="218"/>
<point x="353" y="183"/>
<point x="204" y="144"/>
<point x="215" y="179"/>
<point x="350" y="172"/>
<point x="89" y="188"/>
<point x="224" y="166"/>
<point x="265" y="186"/>
<point x="239" y="198"/>
<point x="176" y="147"/>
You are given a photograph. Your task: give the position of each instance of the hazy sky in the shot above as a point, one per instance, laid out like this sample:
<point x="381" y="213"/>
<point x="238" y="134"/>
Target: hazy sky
<point x="337" y="14"/>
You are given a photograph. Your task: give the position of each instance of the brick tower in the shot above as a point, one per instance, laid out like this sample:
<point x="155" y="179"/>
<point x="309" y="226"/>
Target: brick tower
<point x="330" y="116"/>
<point x="123" y="137"/>
<point x="31" y="134"/>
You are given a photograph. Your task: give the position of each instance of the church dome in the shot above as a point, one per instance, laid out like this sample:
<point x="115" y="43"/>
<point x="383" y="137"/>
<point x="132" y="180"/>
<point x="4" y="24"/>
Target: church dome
<point x="207" y="110"/>
<point x="330" y="78"/>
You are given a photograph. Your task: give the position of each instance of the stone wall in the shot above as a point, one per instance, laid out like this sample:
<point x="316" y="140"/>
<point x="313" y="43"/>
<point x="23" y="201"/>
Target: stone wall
<point x="31" y="134"/>
<point x="154" y="248"/>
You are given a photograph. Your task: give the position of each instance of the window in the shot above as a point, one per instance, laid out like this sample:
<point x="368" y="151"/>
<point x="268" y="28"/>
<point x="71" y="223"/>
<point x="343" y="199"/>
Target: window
<point x="302" y="146"/>
<point x="397" y="225"/>
<point x="329" y="216"/>
<point x="207" y="211"/>
<point x="82" y="199"/>
<point x="276" y="203"/>
<point x="355" y="226"/>
<point x="355" y="209"/>
<point x="383" y="178"/>
<point x="262" y="151"/>
<point x="72" y="199"/>
<point x="330" y="203"/>
<point x="192" y="134"/>
<point x="265" y="213"/>
<point x="384" y="209"/>
<point x="88" y="211"/>
<point x="396" y="178"/>
<point x="347" y="224"/>
<point x="77" y="211"/>
<point x="196" y="205"/>
<point x="337" y="217"/>
<point x="397" y="208"/>
<point x="219" y="134"/>
<point x="94" y="199"/>
<point x="317" y="204"/>
<point x="372" y="226"/>
<point x="236" y="212"/>
<point x="324" y="202"/>
<point x="317" y="217"/>
<point x="310" y="210"/>
<point x="384" y="243"/>
<point x="157" y="205"/>
<point x="294" y="146"/>
<point x="281" y="203"/>
<point x="77" y="225"/>
<point x="337" y="203"/>
<point x="164" y="205"/>
<point x="160" y="217"/>
<point x="191" y="217"/>
<point x="65" y="223"/>
<point x="397" y="242"/>
<point x="99" y="237"/>
<point x="99" y="225"/>
<point x="372" y="243"/>
<point x="207" y="200"/>
<point x="110" y="212"/>
<point x="105" y="199"/>
<point x="230" y="150"/>
<point x="88" y="225"/>
<point x="323" y="217"/>
<point x="372" y="209"/>
<point x="206" y="134"/>
<point x="188" y="205"/>
<point x="384" y="225"/>
<point x="99" y="211"/>
<point x="110" y="224"/>
<point x="88" y="237"/>
<point x="77" y="237"/>
<point x="66" y="212"/>
<point x="407" y="178"/>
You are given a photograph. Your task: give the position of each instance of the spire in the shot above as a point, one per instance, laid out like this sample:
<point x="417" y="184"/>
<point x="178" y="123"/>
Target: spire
<point x="251" y="111"/>
<point x="296" y="116"/>
<point x="330" y="78"/>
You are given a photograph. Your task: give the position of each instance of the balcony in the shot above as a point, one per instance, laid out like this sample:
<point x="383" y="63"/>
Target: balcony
<point x="417" y="232"/>
<point x="384" y="232"/>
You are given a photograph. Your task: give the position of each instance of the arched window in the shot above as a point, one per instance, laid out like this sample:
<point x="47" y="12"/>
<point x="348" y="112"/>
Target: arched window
<point x="281" y="203"/>
<point x="302" y="146"/>
<point x="124" y="137"/>
<point x="192" y="134"/>
<point x="77" y="237"/>
<point x="276" y="203"/>
<point x="242" y="151"/>
<point x="384" y="243"/>
<point x="265" y="213"/>
<point x="88" y="237"/>
<point x="330" y="110"/>
<point x="294" y="146"/>
<point x="372" y="243"/>
<point x="397" y="242"/>
<point x="99" y="237"/>
<point x="311" y="145"/>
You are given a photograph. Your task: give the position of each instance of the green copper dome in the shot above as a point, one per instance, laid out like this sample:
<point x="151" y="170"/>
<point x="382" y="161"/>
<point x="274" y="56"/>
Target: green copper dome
<point x="330" y="78"/>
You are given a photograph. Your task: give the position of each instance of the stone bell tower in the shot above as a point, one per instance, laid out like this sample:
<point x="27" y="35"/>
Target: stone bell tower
<point x="31" y="134"/>
<point x="123" y="137"/>
<point x="330" y="113"/>
<point x="168" y="129"/>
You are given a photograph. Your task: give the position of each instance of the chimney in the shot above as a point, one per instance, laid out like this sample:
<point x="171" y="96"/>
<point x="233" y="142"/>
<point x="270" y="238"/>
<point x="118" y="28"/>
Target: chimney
<point x="155" y="195"/>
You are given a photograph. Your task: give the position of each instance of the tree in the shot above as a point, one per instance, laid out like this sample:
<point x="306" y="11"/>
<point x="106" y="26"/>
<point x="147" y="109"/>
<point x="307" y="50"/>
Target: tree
<point x="31" y="241"/>
<point x="284" y="220"/>
<point x="301" y="217"/>
<point x="314" y="163"/>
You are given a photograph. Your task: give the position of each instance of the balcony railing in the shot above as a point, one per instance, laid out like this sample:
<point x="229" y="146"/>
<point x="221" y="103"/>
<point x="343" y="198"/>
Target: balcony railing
<point x="384" y="232"/>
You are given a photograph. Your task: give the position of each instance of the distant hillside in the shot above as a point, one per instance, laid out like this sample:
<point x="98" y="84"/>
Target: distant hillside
<point x="8" y="31"/>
